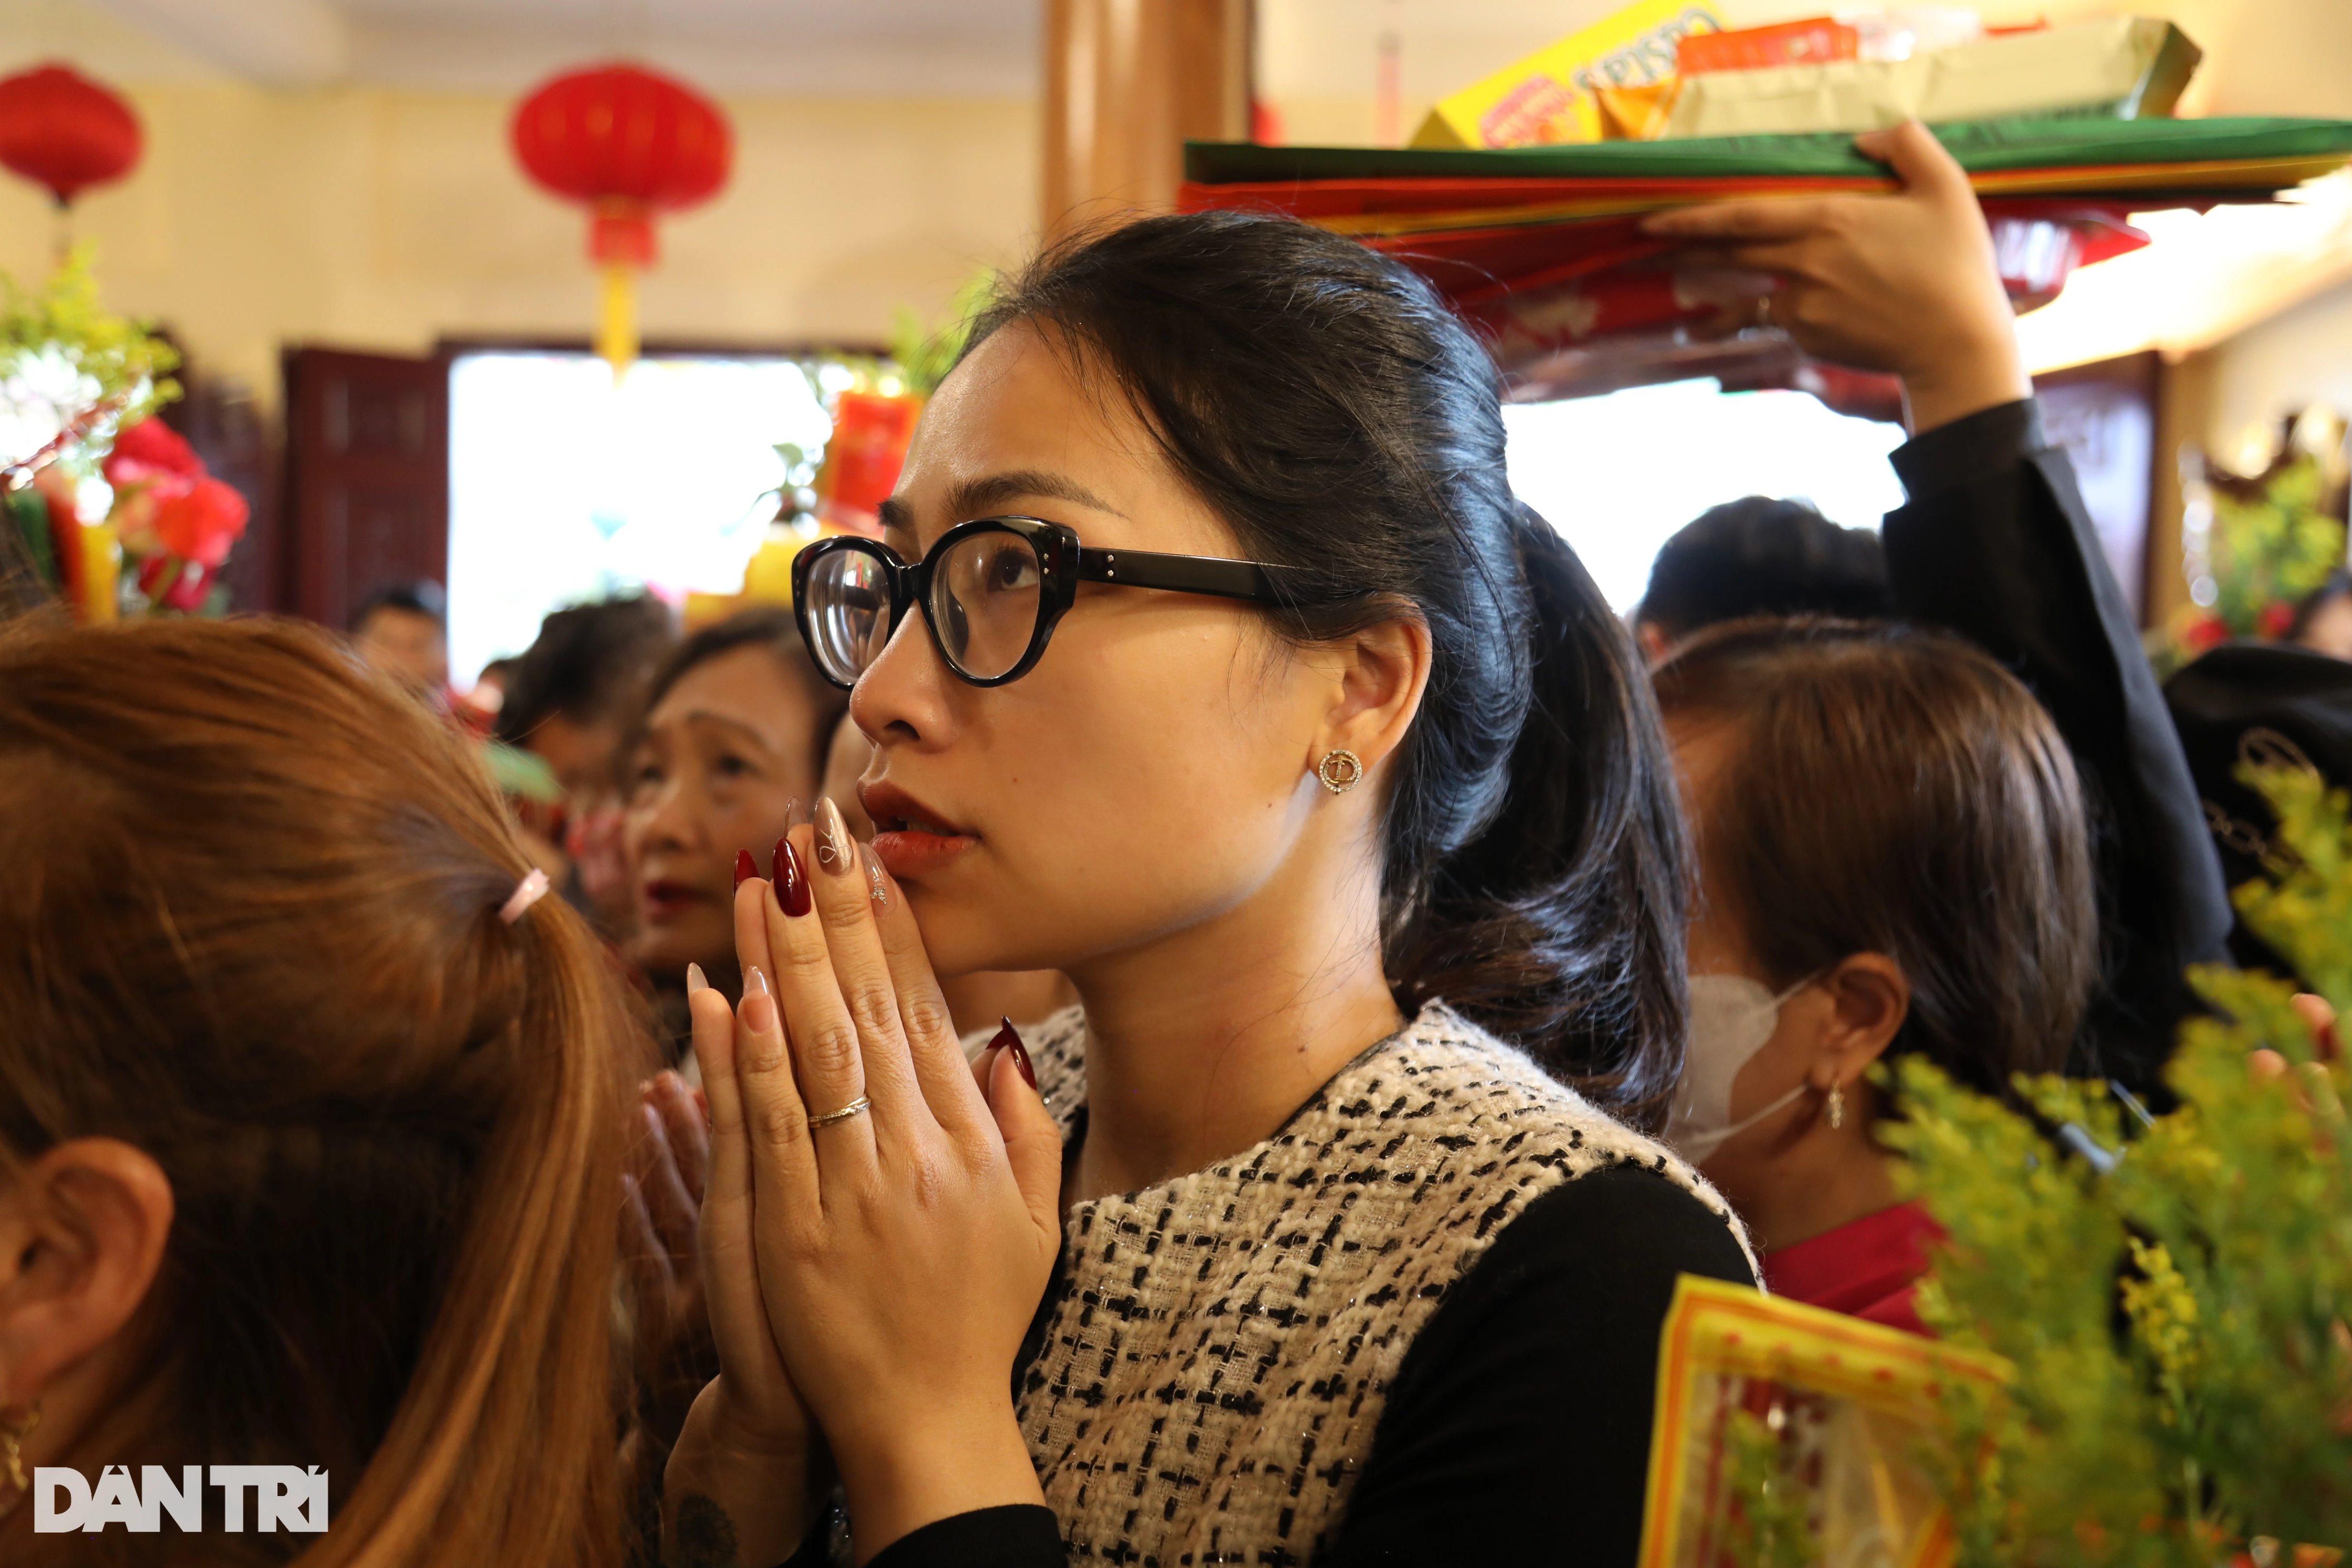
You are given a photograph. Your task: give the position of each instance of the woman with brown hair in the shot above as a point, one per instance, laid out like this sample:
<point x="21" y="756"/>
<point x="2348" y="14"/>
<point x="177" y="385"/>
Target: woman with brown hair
<point x="311" y="1113"/>
<point x="1892" y="857"/>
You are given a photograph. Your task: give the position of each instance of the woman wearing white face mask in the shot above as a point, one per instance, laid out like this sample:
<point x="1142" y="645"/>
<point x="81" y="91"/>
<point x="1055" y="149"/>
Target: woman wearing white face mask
<point x="1894" y="857"/>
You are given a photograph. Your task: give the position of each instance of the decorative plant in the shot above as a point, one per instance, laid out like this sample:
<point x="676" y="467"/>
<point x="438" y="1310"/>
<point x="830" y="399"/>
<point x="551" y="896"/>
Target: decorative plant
<point x="71" y="368"/>
<point x="837" y="488"/>
<point x="2175" y="1301"/>
<point x="79" y="385"/>
<point x="2266" y="542"/>
<point x="924" y="354"/>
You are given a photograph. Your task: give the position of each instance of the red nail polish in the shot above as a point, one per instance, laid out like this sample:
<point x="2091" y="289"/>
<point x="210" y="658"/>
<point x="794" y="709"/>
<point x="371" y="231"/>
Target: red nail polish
<point x="792" y="879"/>
<point x="745" y="868"/>
<point x="1010" y="1039"/>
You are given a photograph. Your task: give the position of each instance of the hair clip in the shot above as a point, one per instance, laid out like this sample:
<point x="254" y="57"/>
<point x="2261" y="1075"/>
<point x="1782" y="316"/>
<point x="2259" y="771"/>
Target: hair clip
<point x="528" y="891"/>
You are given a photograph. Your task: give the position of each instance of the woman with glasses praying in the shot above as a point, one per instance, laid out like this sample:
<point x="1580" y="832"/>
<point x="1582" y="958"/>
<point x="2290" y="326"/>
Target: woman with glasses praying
<point x="1209" y="659"/>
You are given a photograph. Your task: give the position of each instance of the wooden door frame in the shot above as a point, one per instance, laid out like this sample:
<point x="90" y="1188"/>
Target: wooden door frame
<point x="311" y="569"/>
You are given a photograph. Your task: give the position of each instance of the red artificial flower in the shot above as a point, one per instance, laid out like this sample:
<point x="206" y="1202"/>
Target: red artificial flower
<point x="2276" y="619"/>
<point x="201" y="524"/>
<point x="148" y="450"/>
<point x="2206" y="632"/>
<point x="174" y="583"/>
<point x="188" y="593"/>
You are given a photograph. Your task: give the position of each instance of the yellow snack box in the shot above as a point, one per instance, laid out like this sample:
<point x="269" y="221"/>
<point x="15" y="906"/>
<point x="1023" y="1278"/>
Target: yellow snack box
<point x="1553" y="94"/>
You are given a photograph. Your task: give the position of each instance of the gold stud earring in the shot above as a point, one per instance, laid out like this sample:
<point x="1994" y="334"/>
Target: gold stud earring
<point x="1837" y="1108"/>
<point x="1340" y="771"/>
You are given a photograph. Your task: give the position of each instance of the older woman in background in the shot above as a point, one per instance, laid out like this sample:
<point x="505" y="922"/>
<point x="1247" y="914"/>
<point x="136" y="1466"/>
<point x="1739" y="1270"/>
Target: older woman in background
<point x="736" y="725"/>
<point x="1892" y="857"/>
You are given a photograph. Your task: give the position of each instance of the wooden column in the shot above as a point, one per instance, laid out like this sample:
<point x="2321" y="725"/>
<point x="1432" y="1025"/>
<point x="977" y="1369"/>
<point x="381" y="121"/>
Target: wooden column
<point x="1127" y="83"/>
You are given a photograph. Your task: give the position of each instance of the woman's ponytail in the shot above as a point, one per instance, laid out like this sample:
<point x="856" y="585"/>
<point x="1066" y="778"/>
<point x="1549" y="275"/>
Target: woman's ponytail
<point x="1322" y="399"/>
<point x="1560" y="926"/>
<point x="249" y="924"/>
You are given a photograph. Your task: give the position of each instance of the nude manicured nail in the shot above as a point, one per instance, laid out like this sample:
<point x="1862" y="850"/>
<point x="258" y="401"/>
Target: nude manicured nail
<point x="877" y="889"/>
<point x="695" y="983"/>
<point x="835" y="851"/>
<point x="792" y="879"/>
<point x="794" y="814"/>
<point x="759" y="1010"/>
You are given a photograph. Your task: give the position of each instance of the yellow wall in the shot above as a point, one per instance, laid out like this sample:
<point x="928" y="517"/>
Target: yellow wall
<point x="2299" y="357"/>
<point x="382" y="220"/>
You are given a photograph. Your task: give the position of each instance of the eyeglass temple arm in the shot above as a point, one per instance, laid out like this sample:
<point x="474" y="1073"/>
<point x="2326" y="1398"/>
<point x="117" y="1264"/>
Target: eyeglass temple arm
<point x="1182" y="573"/>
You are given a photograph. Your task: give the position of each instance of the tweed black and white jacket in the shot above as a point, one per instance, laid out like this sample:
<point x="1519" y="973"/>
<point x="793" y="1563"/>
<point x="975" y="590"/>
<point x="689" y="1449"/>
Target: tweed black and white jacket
<point x="1218" y="1349"/>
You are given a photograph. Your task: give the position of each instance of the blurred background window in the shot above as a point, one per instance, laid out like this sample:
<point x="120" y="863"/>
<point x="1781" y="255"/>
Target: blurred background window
<point x="564" y="486"/>
<point x="1619" y="473"/>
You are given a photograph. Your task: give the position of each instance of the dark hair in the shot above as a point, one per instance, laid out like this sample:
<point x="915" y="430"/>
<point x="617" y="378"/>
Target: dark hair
<point x="588" y="664"/>
<point x="422" y="598"/>
<point x="1758" y="556"/>
<point x="2338" y="586"/>
<point x="763" y="627"/>
<point x="1894" y="790"/>
<point x="1323" y="401"/>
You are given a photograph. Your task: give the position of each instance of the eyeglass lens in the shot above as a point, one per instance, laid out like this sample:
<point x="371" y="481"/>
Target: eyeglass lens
<point x="984" y="603"/>
<point x="849" y="613"/>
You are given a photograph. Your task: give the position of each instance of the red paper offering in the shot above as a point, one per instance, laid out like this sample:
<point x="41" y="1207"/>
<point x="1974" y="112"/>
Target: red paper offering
<point x="1542" y="246"/>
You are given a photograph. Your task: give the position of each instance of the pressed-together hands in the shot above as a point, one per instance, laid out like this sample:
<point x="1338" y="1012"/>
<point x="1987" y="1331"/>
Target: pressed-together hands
<point x="1902" y="283"/>
<point x="668" y="1165"/>
<point x="869" y="1276"/>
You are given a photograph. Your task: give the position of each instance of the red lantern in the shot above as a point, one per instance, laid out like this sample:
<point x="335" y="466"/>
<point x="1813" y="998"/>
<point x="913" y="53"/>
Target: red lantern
<point x="628" y="142"/>
<point x="61" y="130"/>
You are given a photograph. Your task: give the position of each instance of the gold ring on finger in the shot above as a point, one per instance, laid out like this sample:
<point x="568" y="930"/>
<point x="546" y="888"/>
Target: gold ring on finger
<point x="855" y="1107"/>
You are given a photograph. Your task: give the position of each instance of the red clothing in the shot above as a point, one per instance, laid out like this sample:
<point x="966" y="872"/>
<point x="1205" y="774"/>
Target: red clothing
<point x="1866" y="1269"/>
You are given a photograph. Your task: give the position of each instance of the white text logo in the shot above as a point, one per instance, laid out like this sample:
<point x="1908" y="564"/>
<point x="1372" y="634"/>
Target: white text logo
<point x="284" y="1497"/>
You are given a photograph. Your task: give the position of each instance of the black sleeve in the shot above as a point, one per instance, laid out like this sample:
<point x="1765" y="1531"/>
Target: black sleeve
<point x="1018" y="1535"/>
<point x="1518" y="1427"/>
<point x="1996" y="546"/>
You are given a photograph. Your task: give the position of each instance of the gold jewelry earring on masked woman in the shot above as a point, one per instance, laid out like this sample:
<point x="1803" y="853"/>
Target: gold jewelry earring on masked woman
<point x="1837" y="1106"/>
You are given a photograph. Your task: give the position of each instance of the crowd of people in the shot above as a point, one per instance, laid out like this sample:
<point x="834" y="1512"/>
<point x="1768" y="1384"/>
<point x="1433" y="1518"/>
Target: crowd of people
<point x="1189" y="1003"/>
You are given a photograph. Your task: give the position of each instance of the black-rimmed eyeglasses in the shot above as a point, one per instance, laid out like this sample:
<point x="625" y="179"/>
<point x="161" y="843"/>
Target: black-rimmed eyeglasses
<point x="991" y="591"/>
